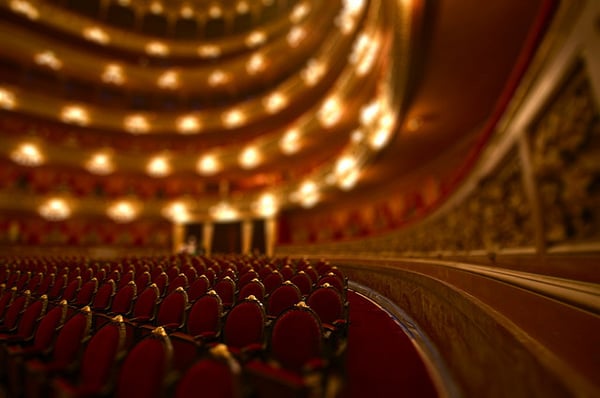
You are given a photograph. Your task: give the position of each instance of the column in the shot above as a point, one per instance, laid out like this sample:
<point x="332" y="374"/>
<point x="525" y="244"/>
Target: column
<point x="246" y="235"/>
<point x="207" y="237"/>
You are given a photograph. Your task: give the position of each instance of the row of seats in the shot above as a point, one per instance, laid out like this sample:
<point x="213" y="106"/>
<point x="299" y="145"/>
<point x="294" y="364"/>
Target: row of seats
<point x="201" y="333"/>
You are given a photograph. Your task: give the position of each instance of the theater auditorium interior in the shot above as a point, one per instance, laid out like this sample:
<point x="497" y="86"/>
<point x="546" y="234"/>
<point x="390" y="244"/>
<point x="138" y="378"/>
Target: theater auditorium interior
<point x="299" y="198"/>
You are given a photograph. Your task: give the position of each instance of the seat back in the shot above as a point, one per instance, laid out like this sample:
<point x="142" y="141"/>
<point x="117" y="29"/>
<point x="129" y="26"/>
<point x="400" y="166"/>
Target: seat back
<point x="215" y="376"/>
<point x="282" y="298"/>
<point x="287" y="272"/>
<point x="161" y="281"/>
<point x="205" y="315"/>
<point x="34" y="282"/>
<point x="179" y="281"/>
<point x="71" y="336"/>
<point x="334" y="281"/>
<point x="32" y="313"/>
<point x="198" y="288"/>
<point x="142" y="280"/>
<point x="45" y="332"/>
<point x="55" y="291"/>
<point x="245" y="324"/>
<point x="253" y="288"/>
<point x="123" y="300"/>
<point x="101" y="355"/>
<point x="86" y="293"/>
<point x="296" y="338"/>
<point x="45" y="284"/>
<point x="272" y="281"/>
<point x="171" y="312"/>
<point x="102" y="299"/>
<point x="14" y="310"/>
<point x="6" y="299"/>
<point x="145" y="367"/>
<point x="303" y="281"/>
<point x="146" y="303"/>
<point x="225" y="288"/>
<point x="327" y="302"/>
<point x="72" y="288"/>
<point x="247" y="277"/>
<point x="126" y="278"/>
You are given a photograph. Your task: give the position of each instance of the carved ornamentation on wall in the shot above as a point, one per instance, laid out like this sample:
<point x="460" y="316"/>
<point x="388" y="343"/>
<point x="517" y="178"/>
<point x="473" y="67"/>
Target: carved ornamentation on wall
<point x="565" y="144"/>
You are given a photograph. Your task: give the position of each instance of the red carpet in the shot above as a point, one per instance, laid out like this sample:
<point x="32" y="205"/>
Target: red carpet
<point x="381" y="360"/>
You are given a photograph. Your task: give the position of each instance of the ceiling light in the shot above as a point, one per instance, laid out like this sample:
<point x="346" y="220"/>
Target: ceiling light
<point x="75" y="114"/>
<point x="368" y="58"/>
<point x="168" y="80"/>
<point x="27" y="154"/>
<point x="308" y="194"/>
<point x="223" y="211"/>
<point x="345" y="164"/>
<point x="7" y="99"/>
<point x="156" y="7"/>
<point x="313" y="72"/>
<point x="290" y="142"/>
<point x="96" y="34"/>
<point x="275" y="102"/>
<point x="255" y="38"/>
<point x="296" y="35"/>
<point x="242" y="7"/>
<point x="299" y="12"/>
<point x="218" y="77"/>
<point x="136" y="124"/>
<point x="209" y="51"/>
<point x="357" y="136"/>
<point x="188" y="124"/>
<point x="113" y="74"/>
<point x="25" y="8"/>
<point x="349" y="180"/>
<point x="55" y="209"/>
<point x="157" y="48"/>
<point x="207" y="165"/>
<point x="158" y="166"/>
<point x="255" y="64"/>
<point x="233" y="118"/>
<point x="330" y="112"/>
<point x="379" y="138"/>
<point x="266" y="205"/>
<point x="177" y="212"/>
<point x="215" y="11"/>
<point x="250" y="157"/>
<point x="369" y="112"/>
<point x="122" y="211"/>
<point x="49" y="59"/>
<point x="186" y="11"/>
<point x="100" y="163"/>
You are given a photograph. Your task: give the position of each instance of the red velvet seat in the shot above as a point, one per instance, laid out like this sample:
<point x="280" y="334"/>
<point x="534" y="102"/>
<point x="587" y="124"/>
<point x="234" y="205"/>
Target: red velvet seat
<point x="142" y="280"/>
<point x="145" y="306"/>
<point x="172" y="311"/>
<point x="329" y="305"/>
<point x="34" y="282"/>
<point x="126" y="278"/>
<point x="56" y="290"/>
<point x="303" y="281"/>
<point x="71" y="289"/>
<point x="64" y="352"/>
<point x="198" y="288"/>
<point x="335" y="281"/>
<point x="282" y="298"/>
<point x="225" y="288"/>
<point x="26" y="325"/>
<point x="146" y="367"/>
<point x="122" y="302"/>
<point x="99" y="359"/>
<point x="253" y="288"/>
<point x="205" y="317"/>
<point x="287" y="272"/>
<point x="103" y="297"/>
<point x="247" y="277"/>
<point x="296" y="357"/>
<point x="44" y="285"/>
<point x="179" y="281"/>
<point x="272" y="281"/>
<point x="244" y="328"/>
<point x="161" y="281"/>
<point x="85" y="294"/>
<point x="6" y="299"/>
<point x="13" y="311"/>
<point x="215" y="376"/>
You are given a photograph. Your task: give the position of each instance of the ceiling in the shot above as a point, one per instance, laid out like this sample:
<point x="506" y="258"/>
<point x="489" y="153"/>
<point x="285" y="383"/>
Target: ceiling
<point x="195" y="109"/>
